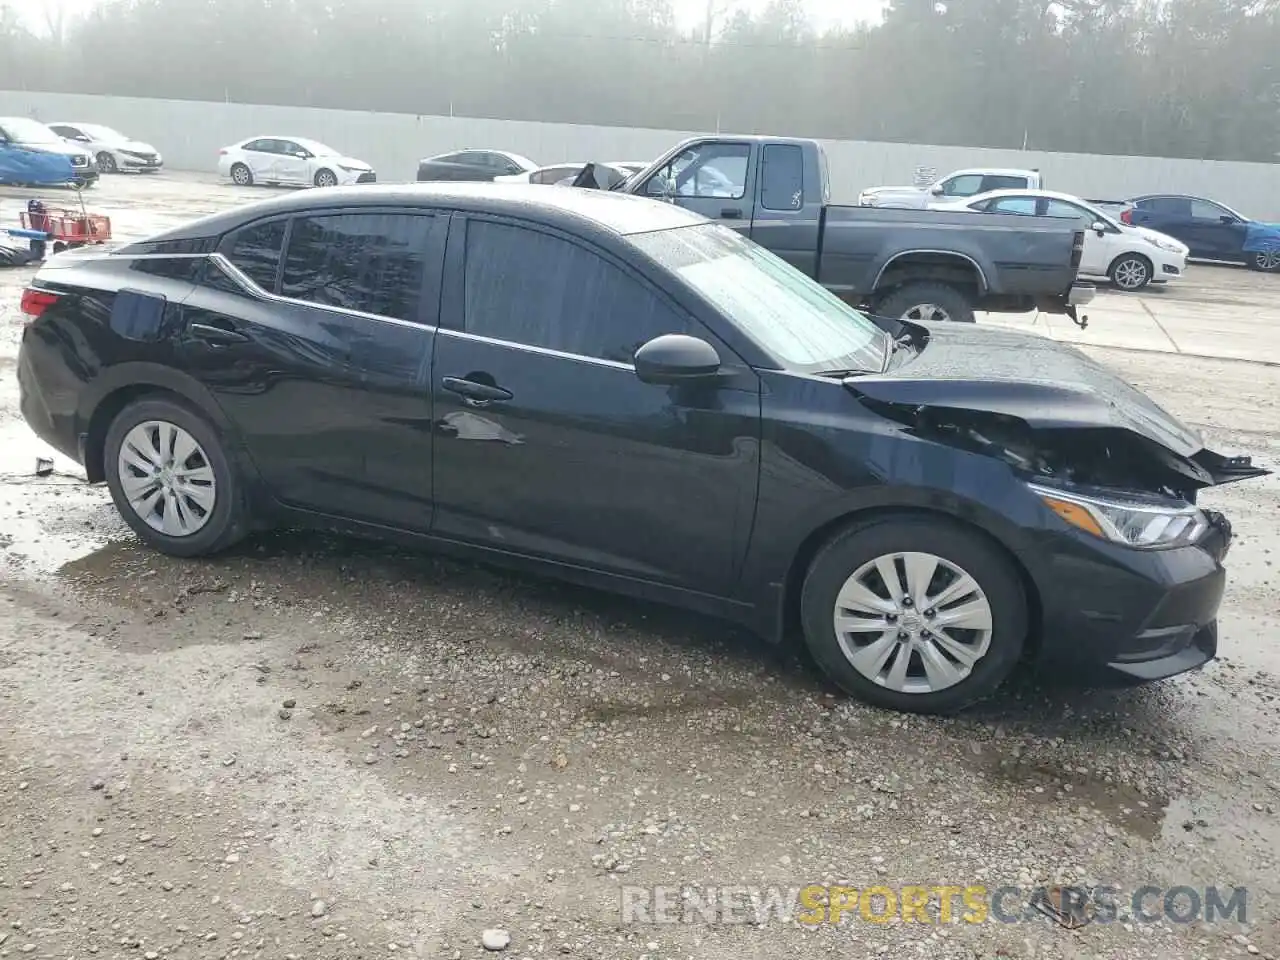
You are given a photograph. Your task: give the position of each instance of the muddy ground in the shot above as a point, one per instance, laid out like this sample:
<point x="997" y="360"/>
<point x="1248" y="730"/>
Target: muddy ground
<point x="325" y="748"/>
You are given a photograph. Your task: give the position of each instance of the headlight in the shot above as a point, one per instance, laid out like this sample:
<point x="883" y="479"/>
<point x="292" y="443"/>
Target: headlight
<point x="1170" y="246"/>
<point x="867" y="200"/>
<point x="1133" y="523"/>
<point x="353" y="169"/>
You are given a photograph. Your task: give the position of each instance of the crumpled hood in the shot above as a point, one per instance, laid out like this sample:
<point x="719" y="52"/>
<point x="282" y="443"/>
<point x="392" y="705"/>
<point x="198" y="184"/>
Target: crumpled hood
<point x="21" y="164"/>
<point x="1047" y="385"/>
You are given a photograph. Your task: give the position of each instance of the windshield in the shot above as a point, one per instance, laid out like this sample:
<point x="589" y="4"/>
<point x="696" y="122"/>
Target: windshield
<point x="22" y="130"/>
<point x="103" y="134"/>
<point x="795" y="319"/>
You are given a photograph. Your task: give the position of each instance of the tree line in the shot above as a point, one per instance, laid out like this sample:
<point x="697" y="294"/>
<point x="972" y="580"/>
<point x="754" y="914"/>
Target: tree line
<point x="1173" y="78"/>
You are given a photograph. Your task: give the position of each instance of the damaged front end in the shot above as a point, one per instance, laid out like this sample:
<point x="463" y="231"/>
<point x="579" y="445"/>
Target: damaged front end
<point x="1112" y="481"/>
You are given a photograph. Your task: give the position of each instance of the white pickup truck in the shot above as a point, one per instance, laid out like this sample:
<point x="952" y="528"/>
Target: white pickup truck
<point x="961" y="183"/>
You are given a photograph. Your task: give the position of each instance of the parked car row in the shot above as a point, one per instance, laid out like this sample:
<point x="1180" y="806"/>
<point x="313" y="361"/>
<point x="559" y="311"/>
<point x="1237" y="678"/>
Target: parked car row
<point x="1146" y="239"/>
<point x="66" y="152"/>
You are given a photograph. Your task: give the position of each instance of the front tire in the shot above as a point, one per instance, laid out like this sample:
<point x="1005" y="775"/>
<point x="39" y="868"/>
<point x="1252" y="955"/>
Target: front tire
<point x="1267" y="261"/>
<point x="914" y="613"/>
<point x="170" y="478"/>
<point x="1130" y="272"/>
<point x="107" y="163"/>
<point x="241" y="175"/>
<point x="326" y="178"/>
<point x="926" y="302"/>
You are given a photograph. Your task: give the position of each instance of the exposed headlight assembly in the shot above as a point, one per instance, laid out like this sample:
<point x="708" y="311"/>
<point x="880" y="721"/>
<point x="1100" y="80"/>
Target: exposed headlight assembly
<point x="1144" y="524"/>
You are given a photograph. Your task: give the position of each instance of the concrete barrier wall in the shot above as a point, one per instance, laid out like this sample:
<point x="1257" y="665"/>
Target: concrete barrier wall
<point x="189" y="134"/>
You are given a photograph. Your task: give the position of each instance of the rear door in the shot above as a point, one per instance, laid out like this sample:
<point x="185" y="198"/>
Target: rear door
<point x="1171" y="215"/>
<point x="317" y="344"/>
<point x="548" y="443"/>
<point x="260" y="157"/>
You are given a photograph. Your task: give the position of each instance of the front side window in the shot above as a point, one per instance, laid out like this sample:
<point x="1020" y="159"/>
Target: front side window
<point x="528" y="287"/>
<point x="255" y="251"/>
<point x="371" y="262"/>
<point x="1001" y="181"/>
<point x="1204" y="210"/>
<point x="791" y="316"/>
<point x="705" y="170"/>
<point x="965" y="185"/>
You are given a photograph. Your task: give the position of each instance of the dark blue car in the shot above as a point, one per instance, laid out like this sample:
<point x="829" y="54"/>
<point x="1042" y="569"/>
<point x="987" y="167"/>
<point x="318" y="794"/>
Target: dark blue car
<point x="1212" y="230"/>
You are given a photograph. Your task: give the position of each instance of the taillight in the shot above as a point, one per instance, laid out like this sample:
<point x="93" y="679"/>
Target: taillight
<point x="36" y="302"/>
<point x="1126" y="216"/>
<point x="222" y="153"/>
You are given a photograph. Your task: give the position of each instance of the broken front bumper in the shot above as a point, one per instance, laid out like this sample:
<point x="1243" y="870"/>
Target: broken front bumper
<point x="1138" y="614"/>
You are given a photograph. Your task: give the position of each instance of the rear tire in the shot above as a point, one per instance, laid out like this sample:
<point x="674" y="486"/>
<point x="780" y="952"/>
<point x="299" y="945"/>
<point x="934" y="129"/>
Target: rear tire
<point x="171" y="461"/>
<point x="1130" y="272"/>
<point x="241" y="175"/>
<point x="925" y="301"/>
<point x="844" y="583"/>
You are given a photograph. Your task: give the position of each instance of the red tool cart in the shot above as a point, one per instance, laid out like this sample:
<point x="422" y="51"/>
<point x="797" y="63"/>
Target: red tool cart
<point x="66" y="228"/>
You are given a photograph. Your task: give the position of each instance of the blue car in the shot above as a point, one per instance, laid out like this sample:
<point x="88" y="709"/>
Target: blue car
<point x="1212" y="230"/>
<point x="31" y="153"/>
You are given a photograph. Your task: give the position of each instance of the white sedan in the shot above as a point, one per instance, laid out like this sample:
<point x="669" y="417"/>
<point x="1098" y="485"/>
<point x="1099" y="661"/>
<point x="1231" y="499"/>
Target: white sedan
<point x="113" y="151"/>
<point x="296" y="161"/>
<point x="1130" y="257"/>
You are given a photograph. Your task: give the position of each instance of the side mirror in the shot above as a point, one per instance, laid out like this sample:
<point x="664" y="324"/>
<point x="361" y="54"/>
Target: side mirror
<point x="1227" y="218"/>
<point x="660" y="186"/>
<point x="938" y="191"/>
<point x="302" y="154"/>
<point x="676" y="358"/>
<point x="1099" y="227"/>
<point x="84" y="138"/>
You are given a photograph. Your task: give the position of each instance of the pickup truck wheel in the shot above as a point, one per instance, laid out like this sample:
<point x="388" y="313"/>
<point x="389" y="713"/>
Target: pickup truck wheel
<point x="1130" y="272"/>
<point x="914" y="614"/>
<point x="930" y="302"/>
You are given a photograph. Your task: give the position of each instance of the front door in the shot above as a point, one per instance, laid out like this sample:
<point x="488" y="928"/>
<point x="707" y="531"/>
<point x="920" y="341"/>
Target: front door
<point x="547" y="443"/>
<point x="713" y="178"/>
<point x="1217" y="234"/>
<point x="289" y="167"/>
<point x="326" y="381"/>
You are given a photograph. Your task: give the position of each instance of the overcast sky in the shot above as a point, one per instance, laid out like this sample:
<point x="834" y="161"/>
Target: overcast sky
<point x="823" y="13"/>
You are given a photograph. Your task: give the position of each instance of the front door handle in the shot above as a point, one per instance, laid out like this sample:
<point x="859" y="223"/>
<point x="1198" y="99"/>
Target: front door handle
<point x="731" y="213"/>
<point x="474" y="393"/>
<point x="215" y="334"/>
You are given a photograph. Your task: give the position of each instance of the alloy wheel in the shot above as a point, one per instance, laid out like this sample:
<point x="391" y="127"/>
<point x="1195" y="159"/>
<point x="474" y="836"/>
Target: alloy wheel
<point x="167" y="478"/>
<point x="240" y="174"/>
<point x="1268" y="260"/>
<point x="1130" y="274"/>
<point x="926" y="313"/>
<point x="913" y="622"/>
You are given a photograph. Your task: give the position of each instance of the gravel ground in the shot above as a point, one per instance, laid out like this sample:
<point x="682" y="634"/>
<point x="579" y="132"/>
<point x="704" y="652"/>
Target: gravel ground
<point x="319" y="748"/>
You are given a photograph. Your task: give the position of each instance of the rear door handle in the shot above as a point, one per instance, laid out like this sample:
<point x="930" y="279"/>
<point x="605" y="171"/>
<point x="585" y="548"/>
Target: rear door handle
<point x="216" y="334"/>
<point x="731" y="213"/>
<point x="473" y="393"/>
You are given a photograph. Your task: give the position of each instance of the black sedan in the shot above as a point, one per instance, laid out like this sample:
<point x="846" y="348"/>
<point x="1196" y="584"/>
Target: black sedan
<point x="624" y="394"/>
<point x="1212" y="230"/>
<point x="473" y="166"/>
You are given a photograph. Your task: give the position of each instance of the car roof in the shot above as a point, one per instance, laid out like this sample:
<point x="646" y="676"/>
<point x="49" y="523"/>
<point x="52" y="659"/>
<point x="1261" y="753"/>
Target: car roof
<point x="579" y="210"/>
<point x="1028" y="192"/>
<point x="996" y="171"/>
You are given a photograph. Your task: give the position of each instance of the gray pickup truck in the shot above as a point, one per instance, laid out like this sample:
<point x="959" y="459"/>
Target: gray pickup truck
<point x="913" y="264"/>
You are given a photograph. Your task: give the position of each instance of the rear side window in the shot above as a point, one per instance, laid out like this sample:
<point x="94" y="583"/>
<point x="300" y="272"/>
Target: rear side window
<point x="370" y="262"/>
<point x="1023" y="206"/>
<point x="994" y="181"/>
<point x="783" y="177"/>
<point x="528" y="287"/>
<point x="1169" y="206"/>
<point x="255" y="251"/>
